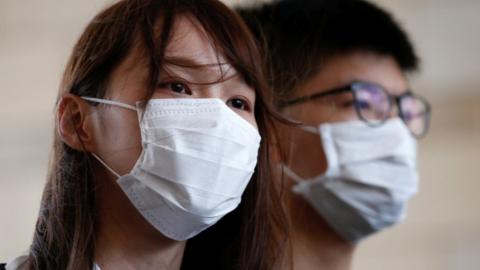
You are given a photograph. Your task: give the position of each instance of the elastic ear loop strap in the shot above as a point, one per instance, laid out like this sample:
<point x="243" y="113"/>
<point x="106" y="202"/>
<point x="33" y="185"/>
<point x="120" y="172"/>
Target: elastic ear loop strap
<point x="111" y="102"/>
<point x="292" y="174"/>
<point x="289" y="171"/>
<point x="114" y="103"/>
<point x="105" y="164"/>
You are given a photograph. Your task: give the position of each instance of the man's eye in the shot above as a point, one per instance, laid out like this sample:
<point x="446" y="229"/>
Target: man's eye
<point x="344" y="104"/>
<point x="363" y="105"/>
<point x="176" y="87"/>
<point x="239" y="104"/>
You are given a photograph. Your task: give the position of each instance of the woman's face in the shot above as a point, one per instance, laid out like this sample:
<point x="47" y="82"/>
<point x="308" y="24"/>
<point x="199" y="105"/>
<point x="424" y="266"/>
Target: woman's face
<point x="194" y="69"/>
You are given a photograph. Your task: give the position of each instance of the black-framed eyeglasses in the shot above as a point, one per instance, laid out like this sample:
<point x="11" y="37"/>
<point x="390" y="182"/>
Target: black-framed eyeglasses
<point x="374" y="105"/>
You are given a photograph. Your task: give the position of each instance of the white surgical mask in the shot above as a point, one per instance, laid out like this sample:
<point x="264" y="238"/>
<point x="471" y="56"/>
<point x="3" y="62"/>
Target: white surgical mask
<point x="197" y="159"/>
<point x="371" y="175"/>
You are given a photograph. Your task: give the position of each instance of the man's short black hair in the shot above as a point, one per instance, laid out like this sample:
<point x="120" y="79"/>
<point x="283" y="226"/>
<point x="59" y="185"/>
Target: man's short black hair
<point x="299" y="34"/>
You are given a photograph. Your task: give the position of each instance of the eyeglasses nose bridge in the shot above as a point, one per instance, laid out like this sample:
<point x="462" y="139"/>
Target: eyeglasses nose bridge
<point x="395" y="108"/>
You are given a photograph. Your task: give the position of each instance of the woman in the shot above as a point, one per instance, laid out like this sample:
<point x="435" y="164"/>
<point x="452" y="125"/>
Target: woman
<point x="158" y="122"/>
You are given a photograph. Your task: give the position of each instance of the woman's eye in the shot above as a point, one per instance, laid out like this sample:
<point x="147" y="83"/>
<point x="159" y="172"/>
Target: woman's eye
<point x="176" y="87"/>
<point x="239" y="104"/>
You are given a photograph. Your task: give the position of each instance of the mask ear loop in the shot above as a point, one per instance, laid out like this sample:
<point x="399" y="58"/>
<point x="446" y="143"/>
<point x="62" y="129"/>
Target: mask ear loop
<point x="310" y="129"/>
<point x="284" y="167"/>
<point x="295" y="177"/>
<point x="111" y="102"/>
<point x="105" y="165"/>
<point x="289" y="172"/>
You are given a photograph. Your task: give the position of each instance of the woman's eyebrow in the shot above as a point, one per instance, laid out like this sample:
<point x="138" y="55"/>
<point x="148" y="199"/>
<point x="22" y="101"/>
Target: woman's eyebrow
<point x="190" y="62"/>
<point x="237" y="79"/>
<point x="211" y="72"/>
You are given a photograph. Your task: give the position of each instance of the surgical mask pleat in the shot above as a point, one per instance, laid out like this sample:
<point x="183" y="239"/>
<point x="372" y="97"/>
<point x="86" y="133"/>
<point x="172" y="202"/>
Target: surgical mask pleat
<point x="226" y="180"/>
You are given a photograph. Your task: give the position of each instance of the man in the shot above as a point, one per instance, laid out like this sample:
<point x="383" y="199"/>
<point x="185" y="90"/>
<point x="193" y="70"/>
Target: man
<point x="340" y="68"/>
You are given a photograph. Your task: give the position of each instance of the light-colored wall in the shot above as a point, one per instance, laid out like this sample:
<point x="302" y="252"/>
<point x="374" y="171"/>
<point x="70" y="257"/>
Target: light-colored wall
<point x="442" y="230"/>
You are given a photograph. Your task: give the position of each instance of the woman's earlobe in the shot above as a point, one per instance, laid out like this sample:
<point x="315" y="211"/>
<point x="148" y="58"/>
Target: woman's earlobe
<point x="72" y="122"/>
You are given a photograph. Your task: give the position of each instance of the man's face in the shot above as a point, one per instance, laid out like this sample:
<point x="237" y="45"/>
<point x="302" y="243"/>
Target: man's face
<point x="306" y="156"/>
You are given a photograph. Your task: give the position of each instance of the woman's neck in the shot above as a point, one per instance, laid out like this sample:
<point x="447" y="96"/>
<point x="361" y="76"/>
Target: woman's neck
<point x="125" y="240"/>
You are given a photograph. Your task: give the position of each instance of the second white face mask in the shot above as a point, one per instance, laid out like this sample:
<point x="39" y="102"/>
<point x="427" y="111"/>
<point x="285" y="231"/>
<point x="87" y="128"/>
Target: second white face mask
<point x="370" y="177"/>
<point x="198" y="157"/>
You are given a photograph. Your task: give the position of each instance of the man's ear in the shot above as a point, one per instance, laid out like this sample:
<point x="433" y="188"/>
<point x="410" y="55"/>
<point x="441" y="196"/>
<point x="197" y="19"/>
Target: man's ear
<point x="279" y="134"/>
<point x="73" y="122"/>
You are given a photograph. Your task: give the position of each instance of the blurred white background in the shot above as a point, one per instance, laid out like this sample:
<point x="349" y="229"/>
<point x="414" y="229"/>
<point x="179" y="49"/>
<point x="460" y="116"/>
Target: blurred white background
<point x="442" y="230"/>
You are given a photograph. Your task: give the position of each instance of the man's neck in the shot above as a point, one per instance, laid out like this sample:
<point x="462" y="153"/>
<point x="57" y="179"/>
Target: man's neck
<point x="315" y="245"/>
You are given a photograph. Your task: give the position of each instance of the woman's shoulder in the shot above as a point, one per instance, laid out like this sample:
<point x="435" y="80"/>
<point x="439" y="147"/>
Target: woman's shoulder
<point x="19" y="263"/>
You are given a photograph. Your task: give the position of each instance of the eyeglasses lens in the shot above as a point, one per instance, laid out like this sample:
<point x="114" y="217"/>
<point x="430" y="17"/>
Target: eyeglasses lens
<point x="415" y="114"/>
<point x="373" y="103"/>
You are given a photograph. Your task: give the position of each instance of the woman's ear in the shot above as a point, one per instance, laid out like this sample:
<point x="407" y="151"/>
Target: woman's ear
<point x="73" y="122"/>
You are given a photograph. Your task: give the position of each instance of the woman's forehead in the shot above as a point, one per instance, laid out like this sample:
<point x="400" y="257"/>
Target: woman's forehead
<point x="190" y="44"/>
<point x="190" y="52"/>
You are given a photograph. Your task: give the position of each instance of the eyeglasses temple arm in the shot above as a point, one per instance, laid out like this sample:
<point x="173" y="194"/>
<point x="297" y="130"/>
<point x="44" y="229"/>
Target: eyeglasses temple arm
<point x="316" y="95"/>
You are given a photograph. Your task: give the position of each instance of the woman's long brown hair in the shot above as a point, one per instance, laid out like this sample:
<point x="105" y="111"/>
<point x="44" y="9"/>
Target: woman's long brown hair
<point x="248" y="238"/>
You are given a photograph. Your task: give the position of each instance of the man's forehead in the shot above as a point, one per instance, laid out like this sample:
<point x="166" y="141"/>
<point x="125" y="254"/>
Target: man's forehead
<point x="342" y="69"/>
